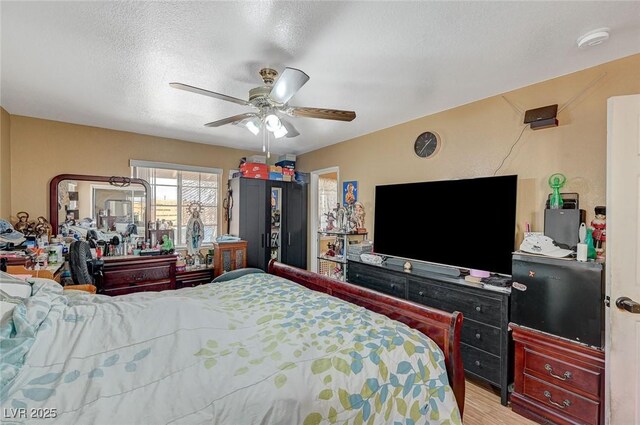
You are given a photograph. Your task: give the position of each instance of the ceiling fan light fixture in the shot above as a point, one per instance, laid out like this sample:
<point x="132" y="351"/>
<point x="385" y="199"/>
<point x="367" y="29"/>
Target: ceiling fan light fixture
<point x="280" y="132"/>
<point x="272" y="122"/>
<point x="253" y="126"/>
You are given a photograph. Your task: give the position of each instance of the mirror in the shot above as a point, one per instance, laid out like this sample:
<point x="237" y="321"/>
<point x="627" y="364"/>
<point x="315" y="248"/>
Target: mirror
<point x="108" y="204"/>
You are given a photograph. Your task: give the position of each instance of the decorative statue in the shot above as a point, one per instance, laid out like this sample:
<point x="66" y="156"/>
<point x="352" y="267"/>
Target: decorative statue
<point x="359" y="215"/>
<point x="599" y="224"/>
<point x="195" y="228"/>
<point x="340" y="218"/>
<point x="43" y="228"/>
<point x="167" y="243"/>
<point x="330" y="220"/>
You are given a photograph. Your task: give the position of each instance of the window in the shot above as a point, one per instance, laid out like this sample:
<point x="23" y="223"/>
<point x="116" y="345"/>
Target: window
<point x="174" y="188"/>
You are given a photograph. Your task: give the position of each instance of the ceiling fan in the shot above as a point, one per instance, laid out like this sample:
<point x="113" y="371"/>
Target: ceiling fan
<point x="271" y="104"/>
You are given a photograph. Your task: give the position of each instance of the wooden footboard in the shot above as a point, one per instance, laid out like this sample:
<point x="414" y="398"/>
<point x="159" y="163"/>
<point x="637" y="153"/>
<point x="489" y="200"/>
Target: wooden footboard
<point x="442" y="327"/>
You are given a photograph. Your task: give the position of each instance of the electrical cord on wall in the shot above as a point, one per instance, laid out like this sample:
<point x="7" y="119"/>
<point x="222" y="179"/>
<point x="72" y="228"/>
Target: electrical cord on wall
<point x="511" y="150"/>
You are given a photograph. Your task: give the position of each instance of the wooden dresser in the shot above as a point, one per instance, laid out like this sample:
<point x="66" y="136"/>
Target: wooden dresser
<point x="485" y="345"/>
<point x="557" y="380"/>
<point x="129" y="274"/>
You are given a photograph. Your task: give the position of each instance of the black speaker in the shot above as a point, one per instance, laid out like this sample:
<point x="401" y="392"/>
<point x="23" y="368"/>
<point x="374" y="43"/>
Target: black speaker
<point x="540" y="118"/>
<point x="562" y="226"/>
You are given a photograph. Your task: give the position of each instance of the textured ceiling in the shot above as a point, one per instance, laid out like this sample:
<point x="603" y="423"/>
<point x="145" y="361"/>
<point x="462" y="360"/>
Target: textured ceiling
<point x="108" y="64"/>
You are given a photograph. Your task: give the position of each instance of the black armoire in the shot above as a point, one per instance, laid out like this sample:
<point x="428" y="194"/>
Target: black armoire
<point x="272" y="217"/>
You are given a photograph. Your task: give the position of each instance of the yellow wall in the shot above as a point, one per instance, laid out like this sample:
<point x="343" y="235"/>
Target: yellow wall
<point x="5" y="164"/>
<point x="42" y="149"/>
<point x="477" y="136"/>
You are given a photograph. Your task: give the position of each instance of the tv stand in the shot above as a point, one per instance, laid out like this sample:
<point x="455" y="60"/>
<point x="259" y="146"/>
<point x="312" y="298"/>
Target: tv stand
<point x="486" y="350"/>
<point x="424" y="266"/>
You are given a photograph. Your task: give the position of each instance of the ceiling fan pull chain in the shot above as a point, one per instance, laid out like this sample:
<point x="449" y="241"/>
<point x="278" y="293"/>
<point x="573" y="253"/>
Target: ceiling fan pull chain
<point x="264" y="137"/>
<point x="268" y="144"/>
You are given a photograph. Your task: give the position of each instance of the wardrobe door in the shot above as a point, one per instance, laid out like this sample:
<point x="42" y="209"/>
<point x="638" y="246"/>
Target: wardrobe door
<point x="253" y="221"/>
<point x="295" y="230"/>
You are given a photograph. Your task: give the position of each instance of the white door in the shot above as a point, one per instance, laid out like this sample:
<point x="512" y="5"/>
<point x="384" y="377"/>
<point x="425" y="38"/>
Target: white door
<point x="623" y="260"/>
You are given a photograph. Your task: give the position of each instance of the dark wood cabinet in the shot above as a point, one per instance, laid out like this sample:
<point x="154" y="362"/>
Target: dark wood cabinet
<point x="129" y="274"/>
<point x="191" y="278"/>
<point x="557" y="381"/>
<point x="485" y="345"/>
<point x="253" y="220"/>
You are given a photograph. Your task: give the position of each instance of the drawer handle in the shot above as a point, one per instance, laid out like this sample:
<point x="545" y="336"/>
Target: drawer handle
<point x="564" y="377"/>
<point x="478" y="309"/>
<point x="421" y="293"/>
<point x="478" y="363"/>
<point x="565" y="403"/>
<point x="478" y="336"/>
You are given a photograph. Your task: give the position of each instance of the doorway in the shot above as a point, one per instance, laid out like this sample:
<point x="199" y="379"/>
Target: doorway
<point x="324" y="197"/>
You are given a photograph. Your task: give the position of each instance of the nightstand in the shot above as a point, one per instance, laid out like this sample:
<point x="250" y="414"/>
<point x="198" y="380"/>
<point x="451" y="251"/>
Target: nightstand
<point x="229" y="256"/>
<point x="557" y="380"/>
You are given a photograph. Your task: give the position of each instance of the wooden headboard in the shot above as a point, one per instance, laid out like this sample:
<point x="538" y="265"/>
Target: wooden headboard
<point x="442" y="327"/>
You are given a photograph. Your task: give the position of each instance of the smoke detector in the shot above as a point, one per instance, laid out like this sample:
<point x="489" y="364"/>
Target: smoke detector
<point x="593" y="38"/>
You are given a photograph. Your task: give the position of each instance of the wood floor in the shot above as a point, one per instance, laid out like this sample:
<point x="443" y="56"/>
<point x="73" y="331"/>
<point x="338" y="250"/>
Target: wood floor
<point x="482" y="407"/>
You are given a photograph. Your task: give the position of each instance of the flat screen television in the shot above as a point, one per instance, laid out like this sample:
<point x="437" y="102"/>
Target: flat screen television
<point x="482" y="239"/>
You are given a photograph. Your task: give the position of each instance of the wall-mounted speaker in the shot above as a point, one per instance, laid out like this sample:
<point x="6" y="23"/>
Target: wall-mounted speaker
<point x="540" y="118"/>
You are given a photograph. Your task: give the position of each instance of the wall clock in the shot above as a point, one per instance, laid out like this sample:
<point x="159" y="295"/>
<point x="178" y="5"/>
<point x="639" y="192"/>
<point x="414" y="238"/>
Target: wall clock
<point x="427" y="144"/>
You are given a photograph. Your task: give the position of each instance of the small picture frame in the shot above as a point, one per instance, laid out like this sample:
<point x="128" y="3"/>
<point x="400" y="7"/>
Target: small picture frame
<point x="349" y="192"/>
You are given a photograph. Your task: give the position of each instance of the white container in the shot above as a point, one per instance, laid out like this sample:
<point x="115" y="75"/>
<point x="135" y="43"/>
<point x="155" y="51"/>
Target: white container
<point x="287" y="157"/>
<point x="259" y="159"/>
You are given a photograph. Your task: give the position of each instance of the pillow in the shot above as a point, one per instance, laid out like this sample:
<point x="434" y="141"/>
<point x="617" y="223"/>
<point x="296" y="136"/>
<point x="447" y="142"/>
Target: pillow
<point x="234" y="274"/>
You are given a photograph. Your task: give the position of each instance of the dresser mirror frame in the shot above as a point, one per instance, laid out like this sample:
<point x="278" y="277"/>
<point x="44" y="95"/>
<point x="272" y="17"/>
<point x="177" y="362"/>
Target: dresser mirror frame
<point x="54" y="219"/>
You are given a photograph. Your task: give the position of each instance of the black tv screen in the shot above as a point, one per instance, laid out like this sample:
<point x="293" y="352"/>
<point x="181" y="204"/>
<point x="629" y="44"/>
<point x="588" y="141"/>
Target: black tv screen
<point x="466" y="223"/>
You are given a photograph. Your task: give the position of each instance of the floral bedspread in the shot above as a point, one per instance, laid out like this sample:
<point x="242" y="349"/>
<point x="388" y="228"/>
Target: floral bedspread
<point x="254" y="350"/>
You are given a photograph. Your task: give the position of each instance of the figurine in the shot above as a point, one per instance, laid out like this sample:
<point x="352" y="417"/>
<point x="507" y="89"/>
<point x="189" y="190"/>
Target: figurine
<point x="359" y="215"/>
<point x="43" y="228"/>
<point x="23" y="225"/>
<point x="599" y="224"/>
<point x="340" y="217"/>
<point x="195" y="228"/>
<point x="167" y="243"/>
<point x="331" y="252"/>
<point x="330" y="220"/>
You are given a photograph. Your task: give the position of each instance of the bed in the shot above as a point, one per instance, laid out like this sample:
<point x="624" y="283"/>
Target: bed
<point x="258" y="349"/>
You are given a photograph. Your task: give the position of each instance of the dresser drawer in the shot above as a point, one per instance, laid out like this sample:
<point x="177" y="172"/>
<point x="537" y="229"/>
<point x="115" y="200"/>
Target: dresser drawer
<point x="193" y="278"/>
<point x="122" y="278"/>
<point x="481" y="336"/>
<point x="562" y="374"/>
<point x="561" y="401"/>
<point x="481" y="363"/>
<point x="378" y="281"/>
<point x="163" y="285"/>
<point x="472" y="305"/>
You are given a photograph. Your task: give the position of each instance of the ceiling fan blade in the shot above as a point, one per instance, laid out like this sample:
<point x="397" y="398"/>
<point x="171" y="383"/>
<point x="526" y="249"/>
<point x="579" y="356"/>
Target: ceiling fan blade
<point x="197" y="90"/>
<point x="231" y="120"/>
<point x="288" y="84"/>
<point x="291" y="130"/>
<point x="325" y="114"/>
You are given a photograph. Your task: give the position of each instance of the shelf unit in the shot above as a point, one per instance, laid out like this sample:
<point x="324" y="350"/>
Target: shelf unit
<point x="335" y="266"/>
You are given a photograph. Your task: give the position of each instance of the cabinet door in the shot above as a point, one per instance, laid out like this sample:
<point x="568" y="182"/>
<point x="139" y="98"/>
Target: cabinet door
<point x="294" y="234"/>
<point x="253" y="220"/>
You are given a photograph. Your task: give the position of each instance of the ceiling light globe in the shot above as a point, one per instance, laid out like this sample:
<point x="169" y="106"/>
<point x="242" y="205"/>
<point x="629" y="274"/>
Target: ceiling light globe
<point x="272" y="122"/>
